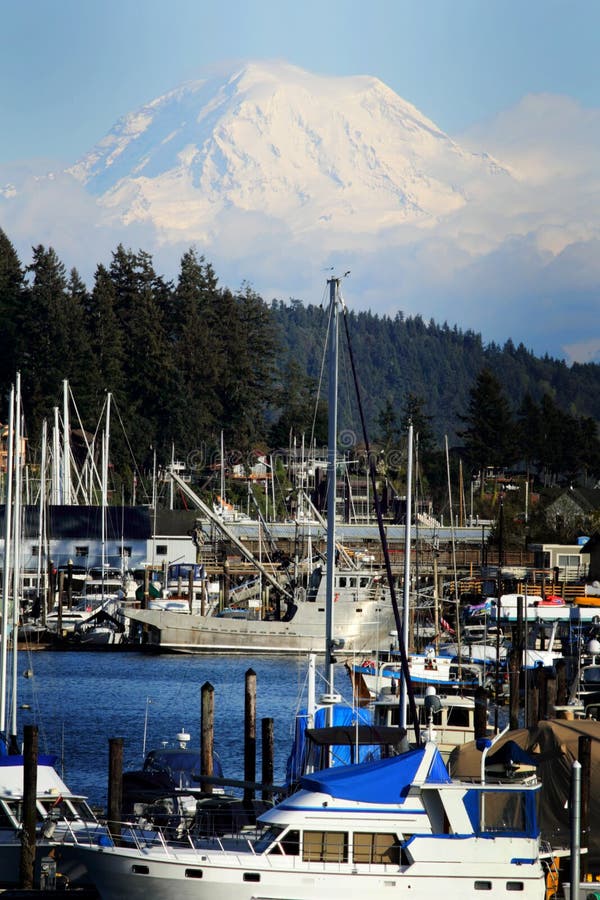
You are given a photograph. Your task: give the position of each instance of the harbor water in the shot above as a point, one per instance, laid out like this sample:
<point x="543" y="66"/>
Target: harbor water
<point x="80" y="700"/>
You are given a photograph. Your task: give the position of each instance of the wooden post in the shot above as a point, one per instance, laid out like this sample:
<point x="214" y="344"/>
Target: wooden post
<point x="562" y="689"/>
<point x="115" y="787"/>
<point x="533" y="703"/>
<point x="30" y="736"/>
<point x="146" y="588"/>
<point x="70" y="584"/>
<point x="207" y="734"/>
<point x="61" y="584"/>
<point x="481" y="712"/>
<point x="514" y="671"/>
<point x="542" y="681"/>
<point x="268" y="767"/>
<point x="226" y="582"/>
<point x="191" y="588"/>
<point x="550" y="693"/>
<point x="584" y="755"/>
<point x="250" y="733"/>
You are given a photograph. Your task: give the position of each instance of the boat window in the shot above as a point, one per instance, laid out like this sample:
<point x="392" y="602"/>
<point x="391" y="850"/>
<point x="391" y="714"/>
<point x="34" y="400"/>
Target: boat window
<point x="57" y="808"/>
<point x="267" y="838"/>
<point x="5" y="820"/>
<point x="140" y="870"/>
<point x="514" y="886"/>
<point x="82" y="551"/>
<point x="15" y="807"/>
<point x="342" y="581"/>
<point x="352" y="582"/>
<point x="325" y="846"/>
<point x="371" y="847"/>
<point x="483" y="885"/>
<point x="459" y="716"/>
<point x="193" y="873"/>
<point x="503" y="811"/>
<point x="364" y="582"/>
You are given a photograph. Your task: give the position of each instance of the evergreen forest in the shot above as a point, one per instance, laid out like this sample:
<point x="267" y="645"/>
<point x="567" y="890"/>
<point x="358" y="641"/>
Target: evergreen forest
<point x="188" y="359"/>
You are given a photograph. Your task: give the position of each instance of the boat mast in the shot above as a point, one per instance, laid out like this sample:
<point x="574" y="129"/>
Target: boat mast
<point x="17" y="501"/>
<point x="406" y="586"/>
<point x="7" y="556"/>
<point x="331" y="479"/>
<point x="66" y="460"/>
<point x="105" y="445"/>
<point x="41" y="520"/>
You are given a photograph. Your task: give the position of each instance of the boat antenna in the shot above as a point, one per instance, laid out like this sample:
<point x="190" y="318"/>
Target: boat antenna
<point x="382" y="535"/>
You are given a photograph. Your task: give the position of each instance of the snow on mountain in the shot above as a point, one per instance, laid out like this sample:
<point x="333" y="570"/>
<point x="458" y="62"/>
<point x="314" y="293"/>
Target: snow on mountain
<point x="320" y="155"/>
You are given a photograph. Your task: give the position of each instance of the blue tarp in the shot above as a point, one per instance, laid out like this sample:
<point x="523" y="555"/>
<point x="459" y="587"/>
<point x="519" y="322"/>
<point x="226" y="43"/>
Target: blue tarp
<point x="384" y="781"/>
<point x="342" y="715"/>
<point x="6" y="759"/>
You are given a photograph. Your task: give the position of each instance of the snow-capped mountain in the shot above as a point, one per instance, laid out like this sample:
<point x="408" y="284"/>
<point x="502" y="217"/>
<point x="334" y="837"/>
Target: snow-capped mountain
<point x="335" y="156"/>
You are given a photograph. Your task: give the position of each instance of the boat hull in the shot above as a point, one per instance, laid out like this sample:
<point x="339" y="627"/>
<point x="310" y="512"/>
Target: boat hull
<point x="362" y="627"/>
<point x="189" y="876"/>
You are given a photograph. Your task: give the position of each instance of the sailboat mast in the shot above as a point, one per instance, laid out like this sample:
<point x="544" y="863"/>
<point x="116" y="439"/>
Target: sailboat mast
<point x="406" y="586"/>
<point x="331" y="478"/>
<point x="66" y="460"/>
<point x="16" y="557"/>
<point x="105" y="446"/>
<point x="7" y="557"/>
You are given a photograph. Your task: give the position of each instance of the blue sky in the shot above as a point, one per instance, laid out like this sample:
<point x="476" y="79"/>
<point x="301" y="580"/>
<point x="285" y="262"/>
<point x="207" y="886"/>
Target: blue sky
<point x="70" y="68"/>
<point x="519" y="79"/>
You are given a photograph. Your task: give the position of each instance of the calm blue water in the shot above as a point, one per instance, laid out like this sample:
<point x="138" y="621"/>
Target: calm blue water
<point x="79" y="700"/>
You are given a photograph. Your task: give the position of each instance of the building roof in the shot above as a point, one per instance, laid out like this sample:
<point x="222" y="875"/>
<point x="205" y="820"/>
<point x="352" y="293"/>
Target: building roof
<point x="129" y="523"/>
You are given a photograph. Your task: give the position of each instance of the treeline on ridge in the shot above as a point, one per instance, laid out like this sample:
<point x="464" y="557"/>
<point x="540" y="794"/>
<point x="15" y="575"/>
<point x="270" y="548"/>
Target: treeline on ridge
<point x="189" y="358"/>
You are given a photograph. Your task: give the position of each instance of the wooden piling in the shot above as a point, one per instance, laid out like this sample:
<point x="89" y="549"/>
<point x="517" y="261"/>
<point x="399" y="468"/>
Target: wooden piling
<point x="480" y="718"/>
<point x="207" y="735"/>
<point x="562" y="687"/>
<point x="191" y="588"/>
<point x="115" y="787"/>
<point x="550" y="693"/>
<point x="515" y="659"/>
<point x="533" y="701"/>
<point x="30" y="754"/>
<point x="250" y="733"/>
<point x="268" y="767"/>
<point x="70" y="584"/>
<point x="146" y="596"/>
<point x="541" y="677"/>
<point x="584" y="755"/>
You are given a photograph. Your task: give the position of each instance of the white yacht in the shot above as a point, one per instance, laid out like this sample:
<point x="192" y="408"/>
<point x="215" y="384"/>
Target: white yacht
<point x="399" y="824"/>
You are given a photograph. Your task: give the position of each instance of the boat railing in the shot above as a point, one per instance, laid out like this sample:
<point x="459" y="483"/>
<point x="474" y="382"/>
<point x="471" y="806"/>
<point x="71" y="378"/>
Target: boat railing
<point x="141" y="835"/>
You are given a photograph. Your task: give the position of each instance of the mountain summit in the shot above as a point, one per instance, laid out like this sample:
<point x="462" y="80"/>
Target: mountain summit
<point x="314" y="155"/>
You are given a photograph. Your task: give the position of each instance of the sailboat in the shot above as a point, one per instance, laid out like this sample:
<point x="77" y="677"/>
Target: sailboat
<point x="60" y="813"/>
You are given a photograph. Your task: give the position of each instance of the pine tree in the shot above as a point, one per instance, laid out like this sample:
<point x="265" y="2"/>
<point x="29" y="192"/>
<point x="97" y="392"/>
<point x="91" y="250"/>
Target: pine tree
<point x="12" y="288"/>
<point x="489" y="439"/>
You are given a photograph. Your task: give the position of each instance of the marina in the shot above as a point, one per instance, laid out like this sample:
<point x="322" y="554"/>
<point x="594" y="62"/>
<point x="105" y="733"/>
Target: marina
<point x="375" y="800"/>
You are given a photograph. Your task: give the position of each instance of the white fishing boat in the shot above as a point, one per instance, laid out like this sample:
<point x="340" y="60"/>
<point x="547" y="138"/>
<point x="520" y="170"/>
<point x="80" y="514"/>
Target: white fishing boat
<point x="399" y="824"/>
<point x="425" y="669"/>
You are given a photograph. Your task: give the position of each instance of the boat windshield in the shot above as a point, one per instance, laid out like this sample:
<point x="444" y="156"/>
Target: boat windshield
<point x="267" y="838"/>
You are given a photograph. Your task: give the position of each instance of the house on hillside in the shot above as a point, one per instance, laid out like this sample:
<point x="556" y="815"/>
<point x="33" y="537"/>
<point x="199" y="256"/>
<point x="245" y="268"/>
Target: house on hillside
<point x="574" y="509"/>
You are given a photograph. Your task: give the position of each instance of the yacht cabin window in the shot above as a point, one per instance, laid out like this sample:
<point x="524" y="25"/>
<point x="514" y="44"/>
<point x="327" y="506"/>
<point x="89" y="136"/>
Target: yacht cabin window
<point x="371" y="847"/>
<point x="325" y="846"/>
